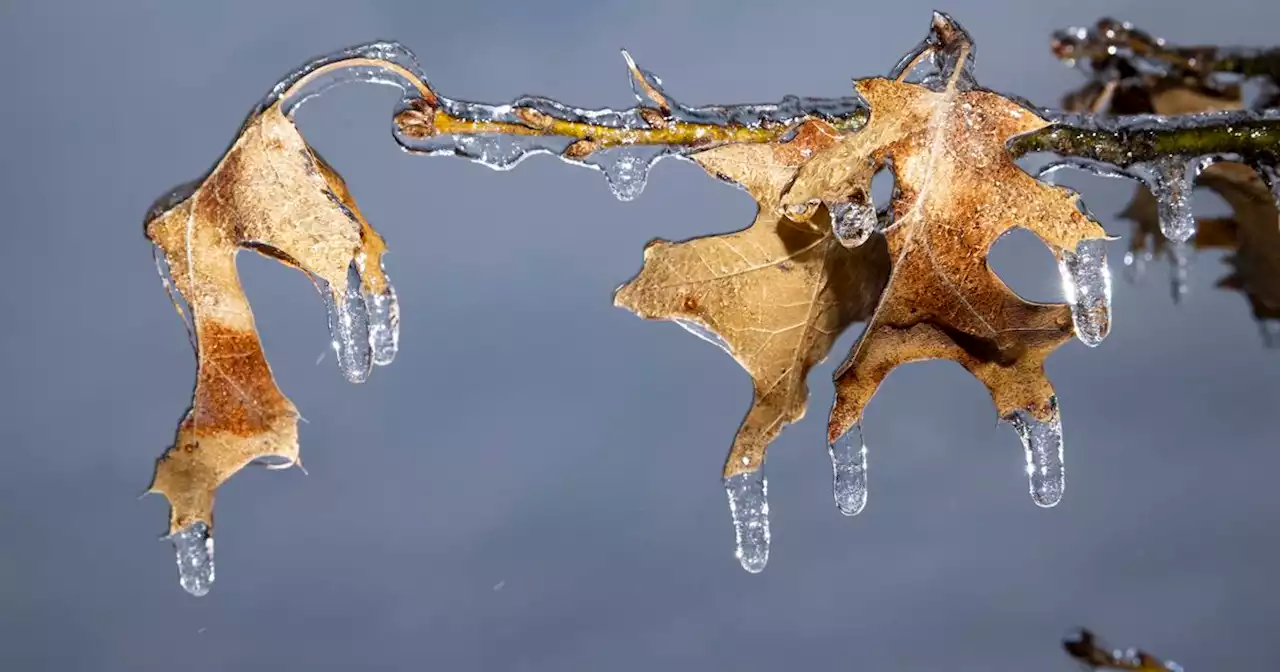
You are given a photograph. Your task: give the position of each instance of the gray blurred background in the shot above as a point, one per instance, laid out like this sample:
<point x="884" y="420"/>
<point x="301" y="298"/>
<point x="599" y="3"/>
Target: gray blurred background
<point x="533" y="485"/>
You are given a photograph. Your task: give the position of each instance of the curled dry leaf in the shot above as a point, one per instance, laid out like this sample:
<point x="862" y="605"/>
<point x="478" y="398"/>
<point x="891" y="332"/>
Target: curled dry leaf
<point x="273" y="194"/>
<point x="957" y="191"/>
<point x="780" y="292"/>
<point x="777" y="293"/>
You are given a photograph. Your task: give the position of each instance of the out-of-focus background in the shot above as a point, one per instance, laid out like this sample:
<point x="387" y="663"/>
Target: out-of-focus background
<point x="534" y="483"/>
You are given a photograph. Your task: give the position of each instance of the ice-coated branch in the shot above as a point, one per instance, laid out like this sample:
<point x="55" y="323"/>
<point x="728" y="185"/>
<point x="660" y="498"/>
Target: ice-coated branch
<point x="1252" y="137"/>
<point x="1118" y="49"/>
<point x="621" y="143"/>
<point x="1167" y="153"/>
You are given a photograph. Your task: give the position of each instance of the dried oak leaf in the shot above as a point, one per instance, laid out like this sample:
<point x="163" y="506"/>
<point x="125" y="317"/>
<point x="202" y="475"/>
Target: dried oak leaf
<point x="778" y="292"/>
<point x="1088" y="650"/>
<point x="273" y="194"/>
<point x="957" y="191"/>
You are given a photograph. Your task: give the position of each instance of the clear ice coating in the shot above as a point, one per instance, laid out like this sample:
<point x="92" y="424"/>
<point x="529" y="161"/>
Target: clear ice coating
<point x="1086" y="284"/>
<point x="853" y="223"/>
<point x="193" y="545"/>
<point x="624" y="167"/>
<point x="387" y="63"/>
<point x="384" y="324"/>
<point x="705" y="334"/>
<point x="749" y="506"/>
<point x="849" y="471"/>
<point x="175" y="297"/>
<point x="349" y="327"/>
<point x="1042" y="443"/>
<point x="1171" y="181"/>
<point x="946" y="44"/>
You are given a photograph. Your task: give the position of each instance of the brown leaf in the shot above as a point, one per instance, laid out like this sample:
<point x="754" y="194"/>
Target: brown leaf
<point x="958" y="190"/>
<point x="778" y="293"/>
<point x="1088" y="650"/>
<point x="271" y="193"/>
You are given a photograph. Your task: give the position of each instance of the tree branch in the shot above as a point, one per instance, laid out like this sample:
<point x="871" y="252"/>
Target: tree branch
<point x="1124" y="141"/>
<point x="1119" y="48"/>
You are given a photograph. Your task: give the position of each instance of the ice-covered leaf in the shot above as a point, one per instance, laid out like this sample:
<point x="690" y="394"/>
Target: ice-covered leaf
<point x="273" y="194"/>
<point x="957" y="191"/>
<point x="777" y="294"/>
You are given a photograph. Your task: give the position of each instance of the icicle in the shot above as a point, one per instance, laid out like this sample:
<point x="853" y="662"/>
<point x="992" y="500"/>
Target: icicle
<point x="705" y="334"/>
<point x="1180" y="253"/>
<point x="1269" y="329"/>
<point x="1171" y="180"/>
<point x="853" y="223"/>
<point x="193" y="545"/>
<point x="349" y="327"/>
<point x="384" y="324"/>
<point x="849" y="471"/>
<point x="1086" y="284"/>
<point x="749" y="506"/>
<point x="1135" y="264"/>
<point x="627" y="174"/>
<point x="1042" y="444"/>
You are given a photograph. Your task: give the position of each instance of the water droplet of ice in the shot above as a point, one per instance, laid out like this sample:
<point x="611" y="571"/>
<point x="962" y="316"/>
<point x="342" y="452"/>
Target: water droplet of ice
<point x="384" y="324"/>
<point x="1171" y="181"/>
<point x="193" y="545"/>
<point x="853" y="223"/>
<point x="1086" y="284"/>
<point x="349" y="327"/>
<point x="749" y="506"/>
<point x="849" y="469"/>
<point x="627" y="172"/>
<point x="1042" y="444"/>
